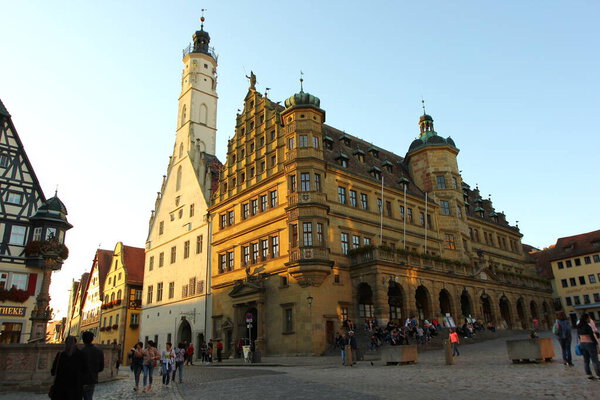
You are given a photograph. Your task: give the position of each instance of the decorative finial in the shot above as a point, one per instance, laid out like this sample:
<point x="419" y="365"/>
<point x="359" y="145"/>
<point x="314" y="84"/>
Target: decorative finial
<point x="301" y="80"/>
<point x="56" y="191"/>
<point x="202" y="19"/>
<point x="423" y="105"/>
<point x="267" y="91"/>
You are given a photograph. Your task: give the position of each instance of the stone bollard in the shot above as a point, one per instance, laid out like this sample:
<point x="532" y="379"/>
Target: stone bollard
<point x="448" y="352"/>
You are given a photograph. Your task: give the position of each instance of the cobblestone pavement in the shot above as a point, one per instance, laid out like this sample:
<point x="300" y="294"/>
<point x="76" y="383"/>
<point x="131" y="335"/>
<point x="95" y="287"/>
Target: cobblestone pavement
<point x="482" y="370"/>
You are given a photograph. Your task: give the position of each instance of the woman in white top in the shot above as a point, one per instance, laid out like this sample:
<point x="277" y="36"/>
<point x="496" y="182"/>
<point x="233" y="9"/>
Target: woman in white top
<point x="167" y="358"/>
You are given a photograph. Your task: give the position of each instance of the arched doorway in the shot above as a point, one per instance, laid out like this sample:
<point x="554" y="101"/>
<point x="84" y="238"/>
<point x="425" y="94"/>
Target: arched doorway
<point x="505" y="311"/>
<point x="422" y="303"/>
<point x="184" y="333"/>
<point x="252" y="333"/>
<point x="365" y="301"/>
<point x="465" y="304"/>
<point x="533" y="309"/>
<point x="445" y="303"/>
<point x="395" y="300"/>
<point x="521" y="312"/>
<point x="486" y="308"/>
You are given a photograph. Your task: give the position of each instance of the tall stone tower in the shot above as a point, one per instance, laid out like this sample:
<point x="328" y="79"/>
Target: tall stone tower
<point x="176" y="278"/>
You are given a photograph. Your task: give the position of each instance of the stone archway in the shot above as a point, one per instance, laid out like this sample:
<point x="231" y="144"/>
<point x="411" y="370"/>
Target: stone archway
<point x="445" y="303"/>
<point x="365" y="301"/>
<point x="486" y="308"/>
<point x="395" y="300"/>
<point x="521" y="312"/>
<point x="184" y="333"/>
<point x="505" y="311"/>
<point x="466" y="305"/>
<point x="423" y="303"/>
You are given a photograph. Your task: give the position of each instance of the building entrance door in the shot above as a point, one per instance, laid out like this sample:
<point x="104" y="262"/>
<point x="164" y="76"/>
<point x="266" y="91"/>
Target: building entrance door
<point x="329" y="335"/>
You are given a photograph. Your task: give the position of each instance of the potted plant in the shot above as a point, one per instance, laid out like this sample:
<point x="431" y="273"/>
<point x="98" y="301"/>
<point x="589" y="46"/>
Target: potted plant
<point x="14" y="294"/>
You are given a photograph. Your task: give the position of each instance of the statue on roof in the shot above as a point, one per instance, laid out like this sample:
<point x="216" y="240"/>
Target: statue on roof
<point x="252" y="79"/>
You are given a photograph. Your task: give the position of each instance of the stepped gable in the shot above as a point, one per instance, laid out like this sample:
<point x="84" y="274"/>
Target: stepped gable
<point x="133" y="259"/>
<point x="362" y="169"/>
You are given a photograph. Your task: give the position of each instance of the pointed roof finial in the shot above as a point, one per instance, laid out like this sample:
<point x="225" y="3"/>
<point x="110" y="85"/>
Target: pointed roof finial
<point x="202" y="19"/>
<point x="56" y="191"/>
<point x="301" y="80"/>
<point x="423" y="105"/>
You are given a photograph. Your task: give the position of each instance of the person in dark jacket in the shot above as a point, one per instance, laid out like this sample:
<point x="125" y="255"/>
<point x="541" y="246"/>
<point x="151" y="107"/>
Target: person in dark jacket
<point x="69" y="368"/>
<point x="353" y="345"/>
<point x="563" y="332"/>
<point x="137" y="363"/>
<point x="95" y="361"/>
<point x="589" y="345"/>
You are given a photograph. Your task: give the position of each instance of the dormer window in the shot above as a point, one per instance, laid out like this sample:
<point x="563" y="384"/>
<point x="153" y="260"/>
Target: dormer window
<point x="345" y="139"/>
<point x="328" y="142"/>
<point x="375" y="173"/>
<point x="342" y="159"/>
<point x="389" y="167"/>
<point x="374" y="152"/>
<point x="360" y="155"/>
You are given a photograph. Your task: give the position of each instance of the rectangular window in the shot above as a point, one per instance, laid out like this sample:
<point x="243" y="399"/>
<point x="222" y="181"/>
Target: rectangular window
<point x="366" y="241"/>
<point x="192" y="286"/>
<point x="587" y="260"/>
<point x="569" y="264"/>
<point x="592" y="278"/>
<point x="230" y="262"/>
<point x="275" y="246"/>
<point x="379" y="205"/>
<point x="577" y="262"/>
<point x="289" y="320"/>
<point x="401" y="213"/>
<point x="171" y="290"/>
<point x="596" y="297"/>
<point x="19" y="281"/>
<point x="199" y="244"/>
<point x="161" y="259"/>
<point x="37" y="234"/>
<point x="344" y="242"/>
<point x="151" y="263"/>
<point x="355" y="241"/>
<point x="450" y="243"/>
<point x="223" y="221"/>
<point x="320" y="241"/>
<point x="291" y="143"/>
<point x="273" y="196"/>
<point x="441" y="182"/>
<point x="263" y="203"/>
<point x="293" y="235"/>
<point x="388" y="207"/>
<point x="159" y="291"/>
<point x="245" y="209"/>
<point x="186" y="249"/>
<point x="222" y="263"/>
<point x="582" y="280"/>
<point x="231" y="217"/>
<point x="245" y="255"/>
<point x="353" y="199"/>
<point x="596" y="258"/>
<point x="564" y="283"/>
<point x="264" y="249"/>
<point x="365" y="310"/>
<point x="254" y="207"/>
<point x="17" y="235"/>
<point x="572" y="282"/>
<point x="560" y="265"/>
<point x="303" y="141"/>
<point x="14" y="198"/>
<point x="305" y="182"/>
<point x="445" y="207"/>
<point x="576" y="300"/>
<point x="292" y="183"/>
<point x="459" y="211"/>
<point x="454" y="183"/>
<point x="586" y="299"/>
<point x="161" y="227"/>
<point x="364" y="203"/>
<point x="307" y="238"/>
<point x="173" y="254"/>
<point x="315" y="142"/>
<point x="191" y="210"/>
<point x="254" y="252"/>
<point x="342" y="195"/>
<point x="422" y="218"/>
<point x="318" y="182"/>
<point x="409" y="215"/>
<point x="135" y="319"/>
<point x="569" y="301"/>
<point x="3" y="160"/>
<point x="150" y="294"/>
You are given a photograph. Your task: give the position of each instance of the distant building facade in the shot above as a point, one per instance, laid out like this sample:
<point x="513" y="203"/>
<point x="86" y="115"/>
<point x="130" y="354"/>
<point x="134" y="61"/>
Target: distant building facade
<point x="32" y="234"/>
<point x="575" y="263"/>
<point x="313" y="226"/>
<point x="91" y="303"/>
<point x="175" y="303"/>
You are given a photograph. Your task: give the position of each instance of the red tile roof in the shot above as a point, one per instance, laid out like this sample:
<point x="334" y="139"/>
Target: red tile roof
<point x="133" y="258"/>
<point x="104" y="261"/>
<point x="578" y="245"/>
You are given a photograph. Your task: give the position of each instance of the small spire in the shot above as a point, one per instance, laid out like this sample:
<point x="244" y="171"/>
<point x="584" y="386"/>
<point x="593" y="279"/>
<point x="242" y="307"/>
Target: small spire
<point x="423" y="105"/>
<point x="56" y="191"/>
<point x="202" y="19"/>
<point x="301" y="80"/>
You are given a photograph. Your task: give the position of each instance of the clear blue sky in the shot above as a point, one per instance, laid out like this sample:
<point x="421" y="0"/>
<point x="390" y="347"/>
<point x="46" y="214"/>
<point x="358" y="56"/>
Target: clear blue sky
<point x="93" y="87"/>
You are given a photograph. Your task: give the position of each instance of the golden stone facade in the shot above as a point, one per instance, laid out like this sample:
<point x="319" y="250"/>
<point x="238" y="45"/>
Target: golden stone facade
<point x="312" y="226"/>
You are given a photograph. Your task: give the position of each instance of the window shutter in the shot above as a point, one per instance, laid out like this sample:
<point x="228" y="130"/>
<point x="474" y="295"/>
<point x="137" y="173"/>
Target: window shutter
<point x="32" y="284"/>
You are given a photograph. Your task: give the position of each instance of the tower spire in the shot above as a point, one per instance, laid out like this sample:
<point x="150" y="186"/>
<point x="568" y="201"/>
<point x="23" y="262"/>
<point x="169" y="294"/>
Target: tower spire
<point x="301" y="81"/>
<point x="202" y="19"/>
<point x="423" y="105"/>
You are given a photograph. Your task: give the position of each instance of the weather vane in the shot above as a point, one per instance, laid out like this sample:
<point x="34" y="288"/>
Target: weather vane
<point x="301" y="80"/>
<point x="423" y="105"/>
<point x="202" y="19"/>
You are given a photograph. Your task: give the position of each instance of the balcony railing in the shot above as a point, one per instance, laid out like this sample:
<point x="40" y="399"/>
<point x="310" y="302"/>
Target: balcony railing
<point x="306" y="198"/>
<point x="308" y="253"/>
<point x="190" y="49"/>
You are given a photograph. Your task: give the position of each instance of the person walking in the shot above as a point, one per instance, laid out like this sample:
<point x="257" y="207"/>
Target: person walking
<point x="341" y="341"/>
<point x="69" y="368"/>
<point x="95" y="362"/>
<point x="137" y="363"/>
<point x="219" y="351"/>
<point x="179" y="361"/>
<point x="455" y="342"/>
<point x="167" y="359"/>
<point x="589" y="346"/>
<point x="353" y="346"/>
<point x="151" y="358"/>
<point x="563" y="332"/>
<point x="190" y="355"/>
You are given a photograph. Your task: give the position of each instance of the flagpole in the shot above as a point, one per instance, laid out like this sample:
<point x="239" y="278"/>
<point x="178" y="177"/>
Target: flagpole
<point x="426" y="222"/>
<point x="404" y="220"/>
<point x="381" y="215"/>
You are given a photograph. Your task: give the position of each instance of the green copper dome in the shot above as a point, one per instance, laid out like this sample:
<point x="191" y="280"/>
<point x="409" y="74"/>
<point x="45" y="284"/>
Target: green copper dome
<point x="302" y="99"/>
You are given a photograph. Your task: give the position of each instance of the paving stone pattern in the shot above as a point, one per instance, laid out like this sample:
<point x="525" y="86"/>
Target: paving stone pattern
<point x="482" y="371"/>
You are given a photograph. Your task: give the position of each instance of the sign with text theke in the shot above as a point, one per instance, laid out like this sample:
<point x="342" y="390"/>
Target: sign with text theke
<point x="12" y="311"/>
